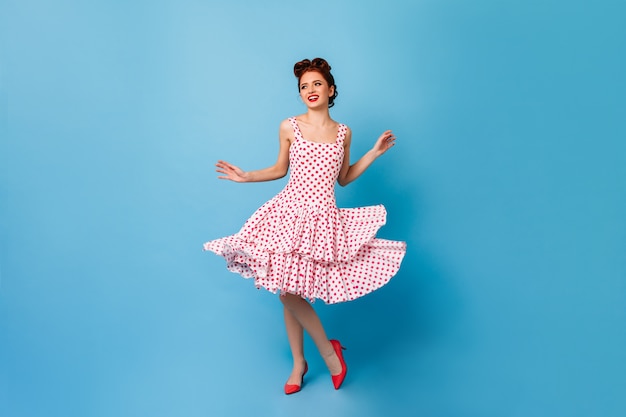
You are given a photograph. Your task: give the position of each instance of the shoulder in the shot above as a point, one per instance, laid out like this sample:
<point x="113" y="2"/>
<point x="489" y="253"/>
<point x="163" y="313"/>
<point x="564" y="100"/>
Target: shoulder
<point x="286" y="129"/>
<point x="287" y="125"/>
<point x="342" y="126"/>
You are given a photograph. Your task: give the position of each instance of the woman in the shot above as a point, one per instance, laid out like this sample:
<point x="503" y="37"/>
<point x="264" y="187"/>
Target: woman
<point x="299" y="243"/>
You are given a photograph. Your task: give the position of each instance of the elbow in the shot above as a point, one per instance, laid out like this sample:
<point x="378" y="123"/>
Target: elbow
<point x="280" y="173"/>
<point x="343" y="178"/>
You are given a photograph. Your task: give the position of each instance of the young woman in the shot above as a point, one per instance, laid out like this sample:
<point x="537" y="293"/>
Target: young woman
<point x="299" y="244"/>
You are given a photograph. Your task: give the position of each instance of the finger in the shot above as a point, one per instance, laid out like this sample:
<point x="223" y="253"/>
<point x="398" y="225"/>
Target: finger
<point x="224" y="164"/>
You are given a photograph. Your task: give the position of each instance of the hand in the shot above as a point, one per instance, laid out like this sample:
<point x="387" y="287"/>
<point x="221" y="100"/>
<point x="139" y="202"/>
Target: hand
<point x="384" y="143"/>
<point x="231" y="172"/>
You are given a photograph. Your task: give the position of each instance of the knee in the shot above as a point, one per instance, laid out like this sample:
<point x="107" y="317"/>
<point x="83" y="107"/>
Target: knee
<point x="284" y="298"/>
<point x="289" y="300"/>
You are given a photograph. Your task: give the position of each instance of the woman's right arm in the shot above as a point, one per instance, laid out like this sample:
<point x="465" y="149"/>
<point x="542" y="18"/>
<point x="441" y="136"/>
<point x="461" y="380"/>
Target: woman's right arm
<point x="276" y="171"/>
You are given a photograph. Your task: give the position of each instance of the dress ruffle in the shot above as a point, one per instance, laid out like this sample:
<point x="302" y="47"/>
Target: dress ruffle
<point x="315" y="252"/>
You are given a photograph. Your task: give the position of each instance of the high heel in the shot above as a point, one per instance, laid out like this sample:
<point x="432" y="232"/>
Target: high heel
<point x="293" y="388"/>
<point x="338" y="379"/>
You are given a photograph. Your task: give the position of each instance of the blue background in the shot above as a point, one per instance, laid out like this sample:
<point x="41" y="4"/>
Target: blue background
<point x="508" y="183"/>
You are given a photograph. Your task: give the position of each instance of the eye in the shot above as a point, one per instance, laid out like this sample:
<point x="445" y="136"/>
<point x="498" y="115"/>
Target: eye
<point x="302" y="87"/>
<point x="317" y="84"/>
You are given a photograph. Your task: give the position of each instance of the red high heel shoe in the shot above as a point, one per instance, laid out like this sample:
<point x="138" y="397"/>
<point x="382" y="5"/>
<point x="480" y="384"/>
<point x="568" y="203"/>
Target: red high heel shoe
<point x="338" y="379"/>
<point x="293" y="388"/>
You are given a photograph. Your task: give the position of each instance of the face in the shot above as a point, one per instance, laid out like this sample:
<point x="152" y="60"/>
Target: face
<point x="314" y="90"/>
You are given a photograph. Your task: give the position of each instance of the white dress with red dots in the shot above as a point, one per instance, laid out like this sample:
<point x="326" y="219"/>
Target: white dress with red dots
<point x="299" y="242"/>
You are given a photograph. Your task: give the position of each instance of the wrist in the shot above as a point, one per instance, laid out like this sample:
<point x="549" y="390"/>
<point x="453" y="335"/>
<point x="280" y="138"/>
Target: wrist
<point x="373" y="154"/>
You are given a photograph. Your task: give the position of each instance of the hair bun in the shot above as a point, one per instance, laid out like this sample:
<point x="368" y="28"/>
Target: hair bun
<point x="306" y="65"/>
<point x="321" y="64"/>
<point x="300" y="67"/>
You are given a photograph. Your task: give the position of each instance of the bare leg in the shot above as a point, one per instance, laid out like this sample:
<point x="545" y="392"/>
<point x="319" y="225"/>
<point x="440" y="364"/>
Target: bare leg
<point x="299" y="309"/>
<point x="295" y="333"/>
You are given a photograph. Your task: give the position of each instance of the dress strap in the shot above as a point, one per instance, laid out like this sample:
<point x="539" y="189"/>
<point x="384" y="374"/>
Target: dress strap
<point x="341" y="134"/>
<point x="294" y="125"/>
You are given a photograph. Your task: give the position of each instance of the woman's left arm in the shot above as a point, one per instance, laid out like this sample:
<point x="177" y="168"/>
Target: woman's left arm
<point x="349" y="172"/>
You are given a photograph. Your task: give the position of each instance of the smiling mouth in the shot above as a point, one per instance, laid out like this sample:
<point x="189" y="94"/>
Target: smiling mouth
<point x="313" y="98"/>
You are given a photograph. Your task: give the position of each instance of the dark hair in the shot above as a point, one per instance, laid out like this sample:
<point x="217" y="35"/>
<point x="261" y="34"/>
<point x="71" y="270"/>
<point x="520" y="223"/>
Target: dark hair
<point x="319" y="65"/>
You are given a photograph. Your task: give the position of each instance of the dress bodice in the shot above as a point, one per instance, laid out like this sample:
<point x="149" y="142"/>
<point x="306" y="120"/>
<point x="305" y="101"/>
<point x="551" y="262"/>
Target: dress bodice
<point x="314" y="167"/>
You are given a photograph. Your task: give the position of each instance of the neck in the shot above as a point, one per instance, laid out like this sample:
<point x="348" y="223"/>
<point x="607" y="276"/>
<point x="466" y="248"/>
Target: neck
<point x="318" y="117"/>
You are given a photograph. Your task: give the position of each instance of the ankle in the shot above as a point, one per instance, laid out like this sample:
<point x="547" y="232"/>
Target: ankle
<point x="328" y="351"/>
<point x="299" y="362"/>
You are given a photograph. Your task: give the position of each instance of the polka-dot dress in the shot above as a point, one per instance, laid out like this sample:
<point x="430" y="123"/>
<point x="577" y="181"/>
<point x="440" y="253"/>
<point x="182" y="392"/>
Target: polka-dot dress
<point x="299" y="242"/>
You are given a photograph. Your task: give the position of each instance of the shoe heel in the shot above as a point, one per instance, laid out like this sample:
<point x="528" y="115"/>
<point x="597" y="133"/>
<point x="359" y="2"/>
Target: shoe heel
<point x="339" y="378"/>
